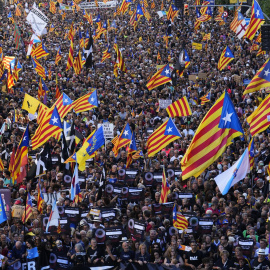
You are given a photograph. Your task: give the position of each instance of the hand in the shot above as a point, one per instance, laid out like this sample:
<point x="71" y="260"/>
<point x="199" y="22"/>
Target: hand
<point x="140" y="262"/>
<point x="96" y="260"/>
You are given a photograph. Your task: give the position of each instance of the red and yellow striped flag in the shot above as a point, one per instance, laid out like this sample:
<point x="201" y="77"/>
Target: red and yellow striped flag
<point x="1" y="165"/>
<point x="70" y="56"/>
<point x="258" y="120"/>
<point x="256" y="21"/>
<point x="119" y="59"/>
<point x="29" y="209"/>
<point x="52" y="7"/>
<point x="165" y="189"/>
<point x="260" y="80"/>
<point x="161" y="137"/>
<point x="18" y="12"/>
<point x="207" y="37"/>
<point x="214" y="134"/>
<point x="179" y="108"/>
<point x="179" y="221"/>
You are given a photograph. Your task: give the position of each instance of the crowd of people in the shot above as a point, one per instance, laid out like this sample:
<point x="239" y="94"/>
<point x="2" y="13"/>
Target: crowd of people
<point x="225" y="231"/>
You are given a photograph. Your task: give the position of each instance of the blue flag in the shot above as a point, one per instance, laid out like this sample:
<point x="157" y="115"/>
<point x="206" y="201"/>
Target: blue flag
<point x="96" y="141"/>
<point x="32" y="253"/>
<point x="3" y="215"/>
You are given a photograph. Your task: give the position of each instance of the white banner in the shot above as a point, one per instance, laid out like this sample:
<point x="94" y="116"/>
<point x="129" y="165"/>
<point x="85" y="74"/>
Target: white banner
<point x="91" y="5"/>
<point x="164" y="103"/>
<point x="38" y="20"/>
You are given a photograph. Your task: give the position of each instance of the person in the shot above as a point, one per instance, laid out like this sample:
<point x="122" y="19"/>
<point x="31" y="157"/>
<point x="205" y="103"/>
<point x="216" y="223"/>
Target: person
<point x="142" y="257"/>
<point x="94" y="253"/>
<point x="110" y="255"/>
<point x="80" y="264"/>
<point x="193" y="257"/>
<point x="3" y="260"/>
<point x="224" y="263"/>
<point x="260" y="262"/>
<point x="126" y="254"/>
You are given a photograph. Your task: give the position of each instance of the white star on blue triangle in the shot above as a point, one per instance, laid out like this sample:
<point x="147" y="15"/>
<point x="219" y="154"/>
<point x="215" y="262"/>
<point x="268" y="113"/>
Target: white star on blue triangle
<point x="166" y="71"/>
<point x="127" y="134"/>
<point x="66" y="100"/>
<point x="55" y="119"/>
<point x="93" y="100"/>
<point x="265" y="73"/>
<point x="171" y="129"/>
<point x="229" y="118"/>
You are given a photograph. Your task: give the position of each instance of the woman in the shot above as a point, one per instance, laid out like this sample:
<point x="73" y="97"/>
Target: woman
<point x="224" y="263"/>
<point x="217" y="255"/>
<point x="171" y="258"/>
<point x="142" y="257"/>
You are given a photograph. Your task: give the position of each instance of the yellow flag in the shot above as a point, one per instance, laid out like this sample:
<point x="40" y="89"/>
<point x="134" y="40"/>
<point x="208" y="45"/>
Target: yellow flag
<point x="30" y="104"/>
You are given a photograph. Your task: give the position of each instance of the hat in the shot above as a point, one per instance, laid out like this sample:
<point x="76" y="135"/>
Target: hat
<point x="96" y="219"/>
<point x="261" y="251"/>
<point x="124" y="239"/>
<point x="259" y="171"/>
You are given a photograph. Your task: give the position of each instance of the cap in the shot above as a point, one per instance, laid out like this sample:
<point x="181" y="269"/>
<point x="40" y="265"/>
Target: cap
<point x="259" y="171"/>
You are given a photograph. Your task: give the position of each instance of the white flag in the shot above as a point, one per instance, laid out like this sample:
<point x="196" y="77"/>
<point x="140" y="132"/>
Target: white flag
<point x="234" y="174"/>
<point x="241" y="29"/>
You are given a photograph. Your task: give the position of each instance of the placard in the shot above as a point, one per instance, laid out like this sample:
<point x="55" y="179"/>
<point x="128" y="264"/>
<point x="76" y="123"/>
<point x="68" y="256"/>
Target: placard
<point x="107" y="130"/>
<point x="114" y="234"/>
<point x="17" y="211"/>
<point x="164" y="103"/>
<point x="192" y="78"/>
<point x="196" y="46"/>
<point x="202" y="75"/>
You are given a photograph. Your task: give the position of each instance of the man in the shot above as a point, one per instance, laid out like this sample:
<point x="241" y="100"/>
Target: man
<point x="260" y="262"/>
<point x="193" y="257"/>
<point x="19" y="251"/>
<point x="126" y="255"/>
<point x="94" y="254"/>
<point x="263" y="246"/>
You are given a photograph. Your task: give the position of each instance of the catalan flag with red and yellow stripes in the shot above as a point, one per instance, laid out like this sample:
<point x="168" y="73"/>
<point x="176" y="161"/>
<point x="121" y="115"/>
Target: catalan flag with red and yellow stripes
<point x="251" y="153"/>
<point x="162" y="76"/>
<point x="256" y="20"/>
<point x="216" y="131"/>
<point x="260" y="80"/>
<point x="70" y="56"/>
<point x="225" y="58"/>
<point x="82" y="104"/>
<point x="258" y="120"/>
<point x="1" y="165"/>
<point x="29" y="209"/>
<point x="161" y="137"/>
<point x="179" y="108"/>
<point x="119" y="59"/>
<point x="165" y="189"/>
<point x="179" y="221"/>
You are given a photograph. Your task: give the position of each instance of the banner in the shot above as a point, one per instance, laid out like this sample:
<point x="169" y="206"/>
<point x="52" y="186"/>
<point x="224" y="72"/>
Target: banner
<point x="38" y="20"/>
<point x="136" y="229"/>
<point x="6" y="198"/>
<point x="114" y="234"/>
<point x="90" y="5"/>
